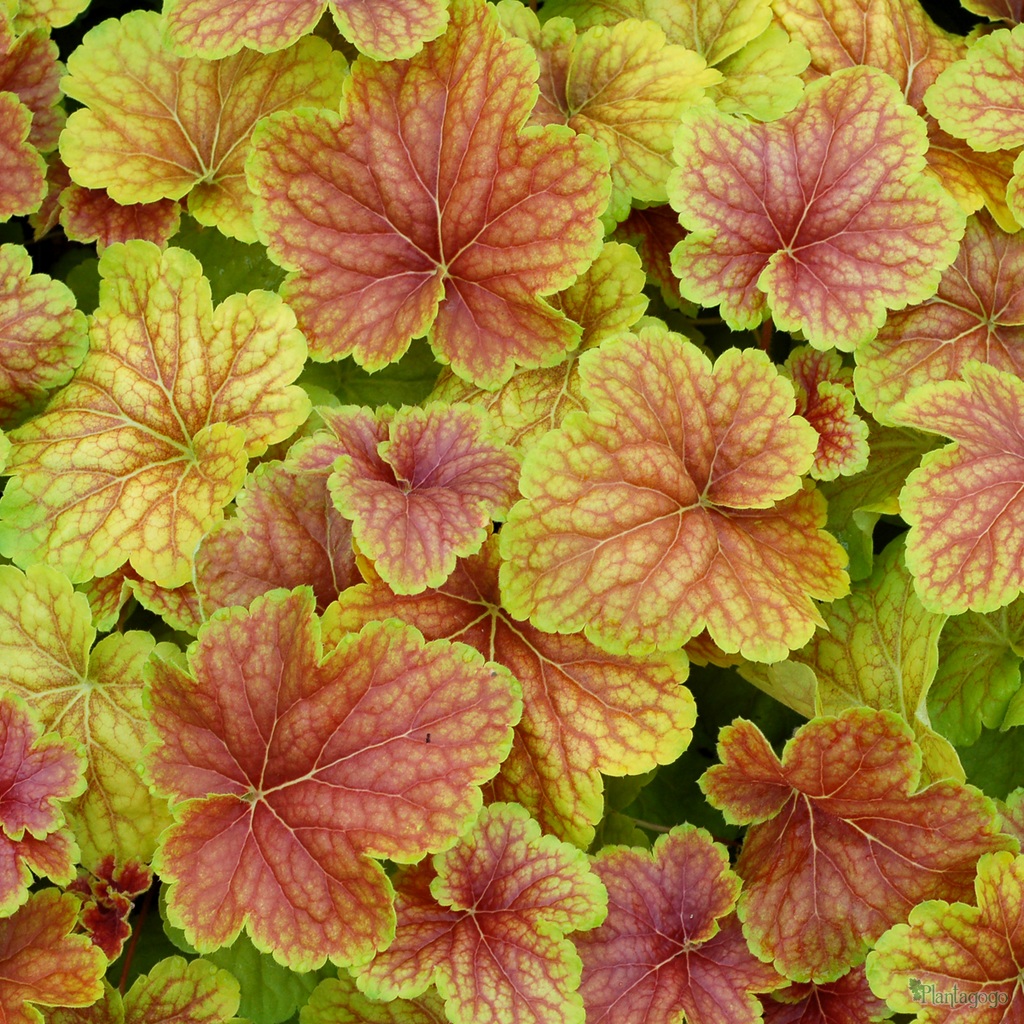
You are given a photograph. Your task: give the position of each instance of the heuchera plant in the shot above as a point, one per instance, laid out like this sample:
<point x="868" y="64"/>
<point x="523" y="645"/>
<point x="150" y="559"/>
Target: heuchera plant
<point x="511" y="513"/>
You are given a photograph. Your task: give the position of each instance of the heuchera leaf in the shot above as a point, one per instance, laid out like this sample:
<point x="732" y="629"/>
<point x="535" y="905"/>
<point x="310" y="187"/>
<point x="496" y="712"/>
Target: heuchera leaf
<point x="585" y="712"/>
<point x="847" y="1000"/>
<point x="108" y="894"/>
<point x="964" y="505"/>
<point x="423" y="207"/>
<point x="47" y="13"/>
<point x="864" y="232"/>
<point x="840" y="845"/>
<point x="290" y="767"/>
<point x="623" y="85"/>
<point x="976" y="313"/>
<point x="175" y="991"/>
<point x="421" y="486"/>
<point x="42" y="336"/>
<point x="286" y="533"/>
<point x="384" y="29"/>
<point x="824" y="397"/>
<point x="338" y="1001"/>
<point x="126" y="141"/>
<point x="880" y="648"/>
<point x="668" y="948"/>
<point x="486" y="921"/>
<point x="1011" y="11"/>
<point x="37" y="772"/>
<point x="654" y="231"/>
<point x="42" y="962"/>
<point x="91" y="697"/>
<point x="604" y="300"/>
<point x="137" y="456"/>
<point x="978" y="682"/>
<point x="955" y="963"/>
<point x="24" y="180"/>
<point x="672" y="506"/>
<point x="29" y="68"/>
<point x="90" y="215"/>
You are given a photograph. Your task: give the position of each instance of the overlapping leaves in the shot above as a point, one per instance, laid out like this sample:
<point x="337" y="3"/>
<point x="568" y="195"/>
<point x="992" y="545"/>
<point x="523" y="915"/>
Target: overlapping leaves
<point x="290" y="767"/>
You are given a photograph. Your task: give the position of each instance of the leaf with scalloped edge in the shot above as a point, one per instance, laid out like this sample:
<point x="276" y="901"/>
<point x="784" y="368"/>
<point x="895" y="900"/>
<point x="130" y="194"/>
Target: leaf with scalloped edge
<point x="1011" y="814"/>
<point x="383" y="29"/>
<point x="91" y="697"/>
<point x="963" y="503"/>
<point x="286" y="533"/>
<point x="847" y="1000"/>
<point x="976" y="314"/>
<point x="108" y="895"/>
<point x="42" y="336"/>
<point x="423" y="208"/>
<point x="954" y="963"/>
<point x="157" y="126"/>
<point x="673" y="505"/>
<point x="338" y="1001"/>
<point x="486" y="922"/>
<point x="421" y="486"/>
<point x="90" y="215"/>
<point x="880" y="648"/>
<point x="37" y="773"/>
<point x="653" y="232"/>
<point x="623" y="85"/>
<point x="669" y="947"/>
<point x="29" y="68"/>
<point x="824" y="397"/>
<point x="47" y="13"/>
<point x="605" y="300"/>
<point x="840" y="845"/>
<point x="136" y="458"/>
<point x="175" y="991"/>
<point x="898" y="38"/>
<point x="290" y="767"/>
<point x="24" y="180"/>
<point x="822" y="218"/>
<point x="585" y="713"/>
<point x="979" y="677"/>
<point x="42" y="963"/>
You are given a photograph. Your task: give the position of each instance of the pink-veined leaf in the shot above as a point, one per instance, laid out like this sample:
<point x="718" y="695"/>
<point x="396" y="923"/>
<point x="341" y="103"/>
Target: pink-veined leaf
<point x="137" y="456"/>
<point x="45" y="14"/>
<point x="1010" y="11"/>
<point x="92" y="695"/>
<point x="862" y="233"/>
<point x="623" y="85"/>
<point x="90" y="215"/>
<point x="847" y="1000"/>
<point x="42" y="336"/>
<point x="29" y="68"/>
<point x="289" y="768"/>
<point x="423" y="208"/>
<point x="585" y="712"/>
<point x="977" y="313"/>
<point x="286" y="533"/>
<point x="655" y="231"/>
<point x="486" y="922"/>
<point x="674" y="505"/>
<point x="24" y="180"/>
<point x="964" y="502"/>
<point x="157" y="126"/>
<point x="669" y="948"/>
<point x="840" y="845"/>
<point x="420" y="485"/>
<point x="41" y="962"/>
<point x="108" y="895"/>
<point x="824" y="397"/>
<point x="37" y="773"/>
<point x="383" y="29"/>
<point x="955" y="963"/>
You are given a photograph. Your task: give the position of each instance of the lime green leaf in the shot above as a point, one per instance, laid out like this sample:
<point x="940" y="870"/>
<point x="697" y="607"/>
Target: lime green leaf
<point x="125" y="140"/>
<point x="92" y="697"/>
<point x="338" y="1001"/>
<point x="137" y="456"/>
